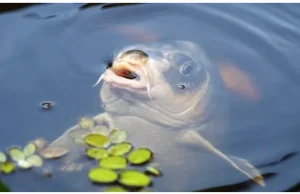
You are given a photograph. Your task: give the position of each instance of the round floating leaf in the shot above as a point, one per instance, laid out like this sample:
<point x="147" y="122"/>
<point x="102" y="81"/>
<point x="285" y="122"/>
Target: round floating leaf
<point x="53" y="152"/>
<point x="117" y="136"/>
<point x="7" y="167"/>
<point x="101" y="175"/>
<point x="3" y="157"/>
<point x="97" y="140"/>
<point x="114" y="162"/>
<point x="139" y="156"/>
<point x="35" y="160"/>
<point x="120" y="149"/>
<point x="115" y="189"/>
<point x="97" y="153"/>
<point x="101" y="130"/>
<point x="29" y="149"/>
<point x="153" y="171"/>
<point x="16" y="154"/>
<point x="24" y="164"/>
<point x="86" y="123"/>
<point x="134" y="178"/>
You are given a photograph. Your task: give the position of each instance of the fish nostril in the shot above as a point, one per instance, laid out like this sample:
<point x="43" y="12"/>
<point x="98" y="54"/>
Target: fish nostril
<point x="109" y="65"/>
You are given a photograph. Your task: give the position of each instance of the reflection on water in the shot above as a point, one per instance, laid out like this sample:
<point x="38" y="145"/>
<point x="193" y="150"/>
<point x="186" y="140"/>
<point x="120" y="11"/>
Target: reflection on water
<point x="56" y="52"/>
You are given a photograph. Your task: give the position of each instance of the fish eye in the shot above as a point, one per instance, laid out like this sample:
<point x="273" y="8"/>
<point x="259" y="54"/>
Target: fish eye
<point x="181" y="86"/>
<point x="187" y="69"/>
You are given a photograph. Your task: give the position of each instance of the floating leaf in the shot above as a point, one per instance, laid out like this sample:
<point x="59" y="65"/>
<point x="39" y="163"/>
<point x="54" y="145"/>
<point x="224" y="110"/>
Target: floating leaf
<point x="16" y="154"/>
<point x="7" y="167"/>
<point x="86" y="123"/>
<point x="97" y="153"/>
<point x="40" y="143"/>
<point x="115" y="189"/>
<point x="97" y="140"/>
<point x="29" y="149"/>
<point x="120" y="149"/>
<point x="114" y="162"/>
<point x="153" y="171"/>
<point x="3" y="157"/>
<point x="102" y="175"/>
<point x="117" y="136"/>
<point x="35" y="160"/>
<point x="101" y="130"/>
<point x="53" y="152"/>
<point x="24" y="164"/>
<point x="134" y="178"/>
<point x="139" y="156"/>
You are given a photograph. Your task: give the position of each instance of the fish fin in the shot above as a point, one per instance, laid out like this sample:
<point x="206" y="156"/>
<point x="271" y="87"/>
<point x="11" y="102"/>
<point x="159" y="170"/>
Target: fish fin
<point x="242" y="165"/>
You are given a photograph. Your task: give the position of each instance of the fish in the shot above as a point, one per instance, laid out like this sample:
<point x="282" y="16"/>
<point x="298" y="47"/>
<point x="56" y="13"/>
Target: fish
<point x="164" y="94"/>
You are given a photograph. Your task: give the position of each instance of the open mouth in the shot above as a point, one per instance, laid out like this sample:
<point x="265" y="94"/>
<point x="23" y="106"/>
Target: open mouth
<point x="124" y="74"/>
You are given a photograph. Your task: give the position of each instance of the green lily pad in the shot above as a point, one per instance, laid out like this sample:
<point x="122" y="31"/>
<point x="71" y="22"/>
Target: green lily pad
<point x="120" y="149"/>
<point x="3" y="157"/>
<point x="115" y="189"/>
<point x="86" y="123"/>
<point x="139" y="156"/>
<point x="153" y="171"/>
<point x="97" y="140"/>
<point x="29" y="149"/>
<point x="35" y="160"/>
<point x="102" y="175"/>
<point x="53" y="152"/>
<point x="97" y="153"/>
<point x="117" y="136"/>
<point x="101" y="130"/>
<point x="114" y="163"/>
<point x="16" y="154"/>
<point x="134" y="178"/>
<point x="24" y="164"/>
<point x="7" y="167"/>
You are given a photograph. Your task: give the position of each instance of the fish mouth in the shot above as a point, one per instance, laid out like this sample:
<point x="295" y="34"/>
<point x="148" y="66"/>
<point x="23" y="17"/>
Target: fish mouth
<point x="124" y="74"/>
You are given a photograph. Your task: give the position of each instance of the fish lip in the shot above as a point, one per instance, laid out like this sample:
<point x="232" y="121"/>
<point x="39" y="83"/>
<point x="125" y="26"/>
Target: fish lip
<point x="111" y="78"/>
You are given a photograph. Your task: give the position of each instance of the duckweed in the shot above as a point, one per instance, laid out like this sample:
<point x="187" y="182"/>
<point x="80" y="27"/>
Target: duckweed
<point x="97" y="140"/>
<point x="97" y="153"/>
<point x="114" y="163"/>
<point x="101" y="130"/>
<point x="139" y="156"/>
<point x="115" y="189"/>
<point x="134" y="178"/>
<point x="7" y="167"/>
<point x="117" y="136"/>
<point x="3" y="157"/>
<point x="102" y="175"/>
<point x="120" y="149"/>
<point x="153" y="171"/>
<point x="86" y="123"/>
<point x="29" y="149"/>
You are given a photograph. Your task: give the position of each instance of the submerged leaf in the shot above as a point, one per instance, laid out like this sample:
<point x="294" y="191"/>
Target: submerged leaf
<point x="134" y="178"/>
<point x="7" y="167"/>
<point x="16" y="154"/>
<point x="115" y="189"/>
<point x="117" y="136"/>
<point x="3" y="157"/>
<point x="120" y="149"/>
<point x="86" y="123"/>
<point x="97" y="140"/>
<point x="101" y="130"/>
<point x="53" y="152"/>
<point x="114" y="163"/>
<point x="35" y="160"/>
<point x="139" y="156"/>
<point x="97" y="153"/>
<point x="29" y="149"/>
<point x="153" y="171"/>
<point x="101" y="175"/>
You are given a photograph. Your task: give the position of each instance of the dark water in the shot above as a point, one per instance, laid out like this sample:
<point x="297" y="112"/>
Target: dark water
<point x="56" y="52"/>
